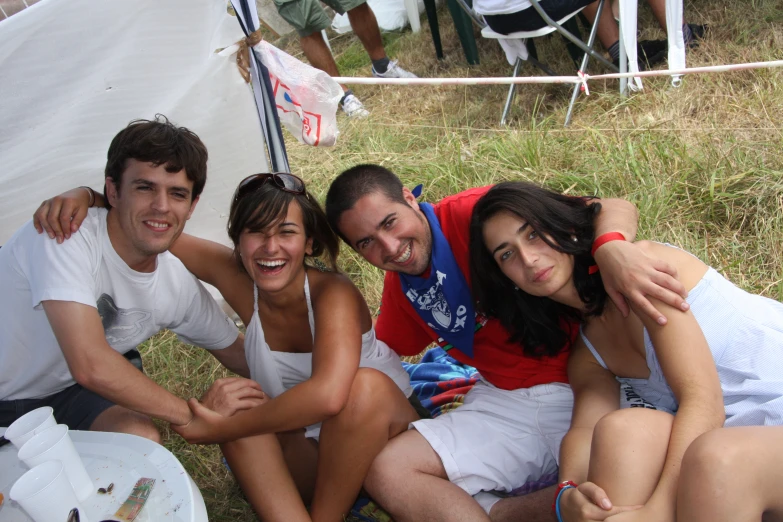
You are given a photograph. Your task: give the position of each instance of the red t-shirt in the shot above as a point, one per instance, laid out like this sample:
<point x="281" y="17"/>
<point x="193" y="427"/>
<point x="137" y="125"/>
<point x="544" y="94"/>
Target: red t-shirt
<point x="499" y="362"/>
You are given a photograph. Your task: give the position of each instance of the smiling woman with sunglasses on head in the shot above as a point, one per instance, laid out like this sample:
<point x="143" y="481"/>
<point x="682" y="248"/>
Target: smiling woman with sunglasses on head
<point x="721" y="362"/>
<point x="336" y="393"/>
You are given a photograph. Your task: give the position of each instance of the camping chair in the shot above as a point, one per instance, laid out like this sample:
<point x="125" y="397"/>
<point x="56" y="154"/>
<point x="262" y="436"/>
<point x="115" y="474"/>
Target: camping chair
<point x="552" y="26"/>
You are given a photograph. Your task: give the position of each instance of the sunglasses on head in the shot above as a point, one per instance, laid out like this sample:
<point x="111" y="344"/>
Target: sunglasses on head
<point x="283" y="180"/>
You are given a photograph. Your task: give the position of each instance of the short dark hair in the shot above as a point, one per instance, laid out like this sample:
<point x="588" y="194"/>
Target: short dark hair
<point x="159" y="142"/>
<point x="355" y="183"/>
<point x="268" y="204"/>
<point x="536" y="322"/>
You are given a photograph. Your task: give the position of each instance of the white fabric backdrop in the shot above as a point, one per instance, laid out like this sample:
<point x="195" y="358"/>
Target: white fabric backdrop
<point x="75" y="72"/>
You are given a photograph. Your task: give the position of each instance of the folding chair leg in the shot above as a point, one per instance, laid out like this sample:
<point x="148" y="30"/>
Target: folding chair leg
<point x="511" y="91"/>
<point x="585" y="59"/>
<point x="432" y="20"/>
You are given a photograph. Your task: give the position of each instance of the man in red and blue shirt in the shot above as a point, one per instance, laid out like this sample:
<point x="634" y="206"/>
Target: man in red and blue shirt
<point x="458" y="466"/>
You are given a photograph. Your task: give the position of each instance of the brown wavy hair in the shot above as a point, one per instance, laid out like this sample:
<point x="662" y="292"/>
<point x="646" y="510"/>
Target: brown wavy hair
<point x="268" y="204"/>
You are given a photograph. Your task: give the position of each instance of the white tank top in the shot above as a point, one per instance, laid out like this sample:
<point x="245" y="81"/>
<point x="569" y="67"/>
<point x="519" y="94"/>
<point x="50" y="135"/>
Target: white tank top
<point x="745" y="335"/>
<point x="277" y="372"/>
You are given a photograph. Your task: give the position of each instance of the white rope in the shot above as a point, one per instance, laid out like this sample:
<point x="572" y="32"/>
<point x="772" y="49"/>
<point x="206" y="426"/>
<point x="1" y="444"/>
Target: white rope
<point x="554" y="79"/>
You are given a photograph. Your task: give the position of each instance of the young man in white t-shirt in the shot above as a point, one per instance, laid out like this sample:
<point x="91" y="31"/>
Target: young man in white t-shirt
<point x="72" y="314"/>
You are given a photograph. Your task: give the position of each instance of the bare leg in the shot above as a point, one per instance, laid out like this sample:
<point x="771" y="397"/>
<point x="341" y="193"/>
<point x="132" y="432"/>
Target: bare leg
<point x="375" y="412"/>
<point x="608" y="32"/>
<point x="319" y="55"/>
<point x="733" y="475"/>
<point x="365" y="26"/>
<point x="659" y="11"/>
<point x="259" y="466"/>
<point x="301" y="457"/>
<point x="122" y="420"/>
<point x="535" y="507"/>
<point x="409" y="481"/>
<point x="628" y="452"/>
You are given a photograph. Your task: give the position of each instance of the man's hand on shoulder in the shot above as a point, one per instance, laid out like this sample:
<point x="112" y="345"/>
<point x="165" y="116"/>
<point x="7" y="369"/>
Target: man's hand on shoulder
<point x="62" y="215"/>
<point x="628" y="273"/>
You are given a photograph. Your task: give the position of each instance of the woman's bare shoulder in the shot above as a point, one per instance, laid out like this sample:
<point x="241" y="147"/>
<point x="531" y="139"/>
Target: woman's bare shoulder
<point x="331" y="289"/>
<point x="690" y="269"/>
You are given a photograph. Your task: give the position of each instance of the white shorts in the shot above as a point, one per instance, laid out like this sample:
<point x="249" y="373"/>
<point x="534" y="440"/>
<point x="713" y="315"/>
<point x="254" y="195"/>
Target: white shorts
<point x="499" y="440"/>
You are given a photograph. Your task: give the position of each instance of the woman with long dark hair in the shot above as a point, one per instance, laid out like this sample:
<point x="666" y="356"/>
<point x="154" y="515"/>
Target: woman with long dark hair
<point x="335" y="393"/>
<point x="713" y="374"/>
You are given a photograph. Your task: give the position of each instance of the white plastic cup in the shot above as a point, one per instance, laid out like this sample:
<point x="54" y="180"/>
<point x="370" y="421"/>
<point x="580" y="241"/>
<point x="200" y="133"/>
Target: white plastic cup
<point x="55" y="444"/>
<point x="45" y="493"/>
<point x="23" y="428"/>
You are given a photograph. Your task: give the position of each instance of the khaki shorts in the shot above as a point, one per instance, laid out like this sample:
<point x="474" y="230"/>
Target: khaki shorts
<point x="308" y="16"/>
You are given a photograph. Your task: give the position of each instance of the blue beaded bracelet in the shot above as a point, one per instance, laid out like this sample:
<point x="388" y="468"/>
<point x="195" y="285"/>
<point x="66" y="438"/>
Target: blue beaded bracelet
<point x="557" y="501"/>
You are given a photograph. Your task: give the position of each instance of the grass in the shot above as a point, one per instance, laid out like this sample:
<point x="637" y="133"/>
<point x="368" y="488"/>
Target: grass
<point x="703" y="163"/>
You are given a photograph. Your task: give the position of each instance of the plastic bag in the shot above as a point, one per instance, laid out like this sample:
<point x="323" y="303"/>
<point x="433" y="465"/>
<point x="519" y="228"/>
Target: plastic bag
<point x="306" y="97"/>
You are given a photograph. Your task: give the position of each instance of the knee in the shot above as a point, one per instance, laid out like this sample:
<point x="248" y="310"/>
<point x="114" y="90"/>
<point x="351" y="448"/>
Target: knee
<point x="713" y="457"/>
<point x="632" y="426"/>
<point x="126" y="421"/>
<point x="143" y="426"/>
<point x="368" y="395"/>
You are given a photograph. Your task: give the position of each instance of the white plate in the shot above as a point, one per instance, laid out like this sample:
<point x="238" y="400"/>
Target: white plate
<point x="120" y="459"/>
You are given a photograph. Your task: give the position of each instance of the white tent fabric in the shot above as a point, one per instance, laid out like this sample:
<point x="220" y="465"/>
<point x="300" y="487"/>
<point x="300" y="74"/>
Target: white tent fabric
<point x="75" y="72"/>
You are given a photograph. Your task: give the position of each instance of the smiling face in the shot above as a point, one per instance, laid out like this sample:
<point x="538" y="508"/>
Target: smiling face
<point x="274" y="256"/>
<point x="390" y="235"/>
<point x="527" y="260"/>
<point x="149" y="212"/>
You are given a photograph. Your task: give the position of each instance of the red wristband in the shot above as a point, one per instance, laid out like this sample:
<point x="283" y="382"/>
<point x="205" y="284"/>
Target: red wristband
<point x="604" y="239"/>
<point x="565" y="483"/>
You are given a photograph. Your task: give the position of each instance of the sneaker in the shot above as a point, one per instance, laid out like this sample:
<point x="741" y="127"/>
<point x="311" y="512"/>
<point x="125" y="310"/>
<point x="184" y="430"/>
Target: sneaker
<point x="354" y="108"/>
<point x="393" y="71"/>
<point x="648" y="53"/>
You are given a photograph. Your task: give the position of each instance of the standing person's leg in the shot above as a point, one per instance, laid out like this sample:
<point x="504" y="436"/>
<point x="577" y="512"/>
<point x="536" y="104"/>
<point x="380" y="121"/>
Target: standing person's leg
<point x="690" y="32"/>
<point x="375" y="412"/>
<point x="733" y="475"/>
<point x="659" y="11"/>
<point x="608" y="32"/>
<point x="650" y="52"/>
<point x="628" y="452"/>
<point x="365" y="26"/>
<point x="319" y="55"/>
<point x="309" y="19"/>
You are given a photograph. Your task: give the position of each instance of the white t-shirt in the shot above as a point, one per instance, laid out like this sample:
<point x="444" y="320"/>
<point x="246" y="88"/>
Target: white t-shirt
<point x="86" y="269"/>
<point x="497" y="7"/>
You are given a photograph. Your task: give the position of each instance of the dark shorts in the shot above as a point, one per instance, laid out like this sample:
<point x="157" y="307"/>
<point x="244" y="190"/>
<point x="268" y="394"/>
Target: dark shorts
<point x="529" y="19"/>
<point x="308" y="16"/>
<point x="75" y="406"/>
